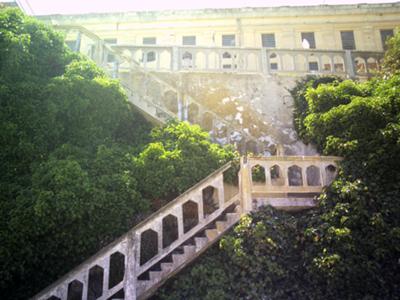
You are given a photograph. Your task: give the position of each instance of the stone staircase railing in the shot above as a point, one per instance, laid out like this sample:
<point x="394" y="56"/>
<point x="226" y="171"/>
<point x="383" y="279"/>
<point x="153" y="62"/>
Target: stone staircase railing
<point x="286" y="182"/>
<point x="142" y="259"/>
<point x="143" y="95"/>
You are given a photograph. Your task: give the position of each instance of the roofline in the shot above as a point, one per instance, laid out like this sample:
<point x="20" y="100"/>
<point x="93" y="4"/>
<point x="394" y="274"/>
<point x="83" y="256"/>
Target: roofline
<point x="234" y="12"/>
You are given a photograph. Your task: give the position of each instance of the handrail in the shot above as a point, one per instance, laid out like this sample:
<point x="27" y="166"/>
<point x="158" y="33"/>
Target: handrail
<point x="106" y="249"/>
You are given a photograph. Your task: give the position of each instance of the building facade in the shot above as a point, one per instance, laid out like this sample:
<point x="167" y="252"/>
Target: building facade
<point x="243" y="60"/>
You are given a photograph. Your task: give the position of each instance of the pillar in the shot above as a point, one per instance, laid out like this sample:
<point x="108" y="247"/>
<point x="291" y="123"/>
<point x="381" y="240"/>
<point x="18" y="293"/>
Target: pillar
<point x="130" y="277"/>
<point x="349" y="64"/>
<point x="245" y="186"/>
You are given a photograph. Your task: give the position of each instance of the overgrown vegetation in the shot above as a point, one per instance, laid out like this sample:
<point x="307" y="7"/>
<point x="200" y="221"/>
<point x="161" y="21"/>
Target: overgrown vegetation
<point x="79" y="165"/>
<point x="349" y="247"/>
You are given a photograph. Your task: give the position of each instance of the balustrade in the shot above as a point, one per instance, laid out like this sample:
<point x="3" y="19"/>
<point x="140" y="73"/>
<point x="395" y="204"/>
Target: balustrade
<point x="146" y="244"/>
<point x="297" y="174"/>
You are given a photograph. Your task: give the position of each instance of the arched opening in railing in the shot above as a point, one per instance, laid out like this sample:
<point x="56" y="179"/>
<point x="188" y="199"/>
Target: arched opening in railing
<point x="95" y="283"/>
<point x="372" y="64"/>
<point x="148" y="245"/>
<point x="170" y="100"/>
<point x="169" y="230"/>
<point x="75" y="290"/>
<point x="360" y="65"/>
<point x="164" y="59"/>
<point x="200" y="60"/>
<point x="117" y="269"/>
<point x="258" y="175"/>
<point x="294" y="175"/>
<point x="330" y="172"/>
<point x="313" y="64"/>
<point x="150" y="56"/>
<point x="190" y="210"/>
<point x="276" y="176"/>
<point x="326" y="63"/>
<point x="227" y="61"/>
<point x="288" y="62"/>
<point x="187" y="60"/>
<point x="338" y="64"/>
<point x="210" y="200"/>
<point x="53" y="298"/>
<point x="313" y="176"/>
<point x="273" y="62"/>
<point x="301" y="63"/>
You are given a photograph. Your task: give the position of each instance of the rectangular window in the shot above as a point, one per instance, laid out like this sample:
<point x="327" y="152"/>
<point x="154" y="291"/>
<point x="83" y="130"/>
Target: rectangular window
<point x="189" y="40"/>
<point x="149" y="41"/>
<point x="268" y="40"/>
<point x="385" y="35"/>
<point x="228" y="40"/>
<point x="348" y="42"/>
<point x="111" y="41"/>
<point x="309" y="37"/>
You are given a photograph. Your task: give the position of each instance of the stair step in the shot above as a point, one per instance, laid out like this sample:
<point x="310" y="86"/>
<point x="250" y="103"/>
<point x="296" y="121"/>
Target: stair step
<point x="189" y="249"/>
<point x="211" y="234"/>
<point x="168" y="266"/>
<point x="178" y="259"/>
<point x="221" y="226"/>
<point x="200" y="242"/>
<point x="156" y="276"/>
<point x="232" y="217"/>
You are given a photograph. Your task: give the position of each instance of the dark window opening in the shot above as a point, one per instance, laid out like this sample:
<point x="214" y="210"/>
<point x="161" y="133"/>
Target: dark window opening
<point x="228" y="40"/>
<point x="189" y="40"/>
<point x="268" y="40"/>
<point x="149" y="41"/>
<point x="309" y="36"/>
<point x="385" y="35"/>
<point x="348" y="42"/>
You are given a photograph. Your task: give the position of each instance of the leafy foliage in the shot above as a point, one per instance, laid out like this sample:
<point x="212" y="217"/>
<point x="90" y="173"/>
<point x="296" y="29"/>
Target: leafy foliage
<point x="78" y="162"/>
<point x="348" y="248"/>
<point x="300" y="104"/>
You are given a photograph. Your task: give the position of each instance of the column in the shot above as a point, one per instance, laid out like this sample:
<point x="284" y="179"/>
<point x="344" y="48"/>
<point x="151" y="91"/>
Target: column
<point x="175" y="59"/>
<point x="245" y="186"/>
<point x="131" y="263"/>
<point x="264" y="61"/>
<point x="304" y="175"/>
<point x="349" y="63"/>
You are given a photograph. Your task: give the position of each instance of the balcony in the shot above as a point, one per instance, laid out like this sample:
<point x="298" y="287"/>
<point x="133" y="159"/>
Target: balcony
<point x="283" y="62"/>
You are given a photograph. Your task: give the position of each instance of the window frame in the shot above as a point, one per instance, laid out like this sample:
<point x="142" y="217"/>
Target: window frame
<point x="310" y="37"/>
<point x="228" y="35"/>
<point x="149" y="40"/>
<point x="190" y="37"/>
<point x="267" y="40"/>
<point x="344" y="47"/>
<point x="385" y="38"/>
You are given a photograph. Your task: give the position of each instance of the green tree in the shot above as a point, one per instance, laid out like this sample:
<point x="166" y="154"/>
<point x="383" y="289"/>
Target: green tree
<point x="181" y="153"/>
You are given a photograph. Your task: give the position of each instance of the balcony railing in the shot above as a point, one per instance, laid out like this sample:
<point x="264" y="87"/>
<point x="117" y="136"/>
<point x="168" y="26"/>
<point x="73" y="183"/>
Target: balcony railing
<point x="289" y="62"/>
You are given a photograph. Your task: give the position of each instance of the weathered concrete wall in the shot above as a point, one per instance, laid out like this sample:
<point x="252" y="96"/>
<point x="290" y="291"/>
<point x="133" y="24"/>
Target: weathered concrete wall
<point x="262" y="102"/>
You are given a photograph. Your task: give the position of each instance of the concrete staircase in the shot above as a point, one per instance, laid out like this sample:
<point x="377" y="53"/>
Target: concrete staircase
<point x="138" y="263"/>
<point x="140" y="85"/>
<point x="185" y="254"/>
